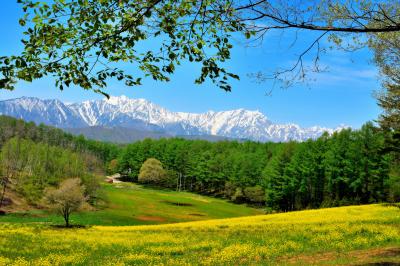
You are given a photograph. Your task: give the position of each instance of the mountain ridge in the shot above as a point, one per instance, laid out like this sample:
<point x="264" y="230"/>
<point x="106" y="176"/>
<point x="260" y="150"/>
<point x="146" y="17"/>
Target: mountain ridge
<point x="143" y="115"/>
<point x="127" y="135"/>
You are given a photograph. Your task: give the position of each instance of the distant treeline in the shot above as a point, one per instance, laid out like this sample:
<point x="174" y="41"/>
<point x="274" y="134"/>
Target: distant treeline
<point x="347" y="167"/>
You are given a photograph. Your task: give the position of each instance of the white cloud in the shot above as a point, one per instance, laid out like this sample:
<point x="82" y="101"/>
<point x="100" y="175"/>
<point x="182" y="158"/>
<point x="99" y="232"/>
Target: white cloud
<point x="340" y="74"/>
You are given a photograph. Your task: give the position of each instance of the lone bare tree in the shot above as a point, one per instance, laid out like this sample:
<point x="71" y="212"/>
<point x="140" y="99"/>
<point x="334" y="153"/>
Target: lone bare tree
<point x="67" y="198"/>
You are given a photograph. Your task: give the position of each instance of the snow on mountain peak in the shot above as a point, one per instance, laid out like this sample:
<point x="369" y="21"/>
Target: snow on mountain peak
<point x="117" y="100"/>
<point x="123" y="111"/>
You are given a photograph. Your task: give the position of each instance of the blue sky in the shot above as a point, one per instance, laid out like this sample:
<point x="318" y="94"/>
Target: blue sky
<point x="342" y="95"/>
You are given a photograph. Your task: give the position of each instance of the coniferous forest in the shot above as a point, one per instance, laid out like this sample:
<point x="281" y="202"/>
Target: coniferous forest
<point x="348" y="167"/>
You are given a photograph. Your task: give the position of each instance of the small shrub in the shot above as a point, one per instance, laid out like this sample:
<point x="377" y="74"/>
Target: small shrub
<point x="255" y="194"/>
<point x="112" y="167"/>
<point x="230" y="189"/>
<point x="238" y="197"/>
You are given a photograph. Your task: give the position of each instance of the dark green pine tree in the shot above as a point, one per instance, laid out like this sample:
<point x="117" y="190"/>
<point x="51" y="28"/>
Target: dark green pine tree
<point x="277" y="184"/>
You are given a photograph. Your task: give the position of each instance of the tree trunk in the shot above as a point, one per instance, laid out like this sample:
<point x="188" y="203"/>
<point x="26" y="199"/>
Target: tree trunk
<point x="66" y="218"/>
<point x="180" y="182"/>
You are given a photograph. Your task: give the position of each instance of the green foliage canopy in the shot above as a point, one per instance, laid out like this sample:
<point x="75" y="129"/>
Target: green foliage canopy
<point x="80" y="42"/>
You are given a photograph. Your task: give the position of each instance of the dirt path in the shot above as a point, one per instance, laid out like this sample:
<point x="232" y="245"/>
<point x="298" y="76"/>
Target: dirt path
<point x="150" y="218"/>
<point x="377" y="256"/>
<point x="113" y="178"/>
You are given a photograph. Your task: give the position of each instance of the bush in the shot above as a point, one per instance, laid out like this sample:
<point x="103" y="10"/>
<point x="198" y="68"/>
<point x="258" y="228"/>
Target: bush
<point x="238" y="197"/>
<point x="30" y="189"/>
<point x="152" y="172"/>
<point x="255" y="194"/>
<point x="230" y="189"/>
<point x="93" y="191"/>
<point x="112" y="167"/>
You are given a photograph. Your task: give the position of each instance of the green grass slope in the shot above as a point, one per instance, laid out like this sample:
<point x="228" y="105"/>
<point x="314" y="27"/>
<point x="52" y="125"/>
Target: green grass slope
<point x="131" y="204"/>
<point x="355" y="235"/>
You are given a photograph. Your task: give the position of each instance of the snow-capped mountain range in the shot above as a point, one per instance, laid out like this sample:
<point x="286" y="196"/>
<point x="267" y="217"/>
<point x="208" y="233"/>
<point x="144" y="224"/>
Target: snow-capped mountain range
<point x="140" y="114"/>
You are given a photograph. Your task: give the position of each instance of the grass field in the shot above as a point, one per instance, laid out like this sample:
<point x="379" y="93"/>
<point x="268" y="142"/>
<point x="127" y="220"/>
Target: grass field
<point x="131" y="204"/>
<point x="346" y="235"/>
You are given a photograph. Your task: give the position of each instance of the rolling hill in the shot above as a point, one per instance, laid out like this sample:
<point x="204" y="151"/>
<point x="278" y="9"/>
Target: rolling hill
<point x="355" y="235"/>
<point x="131" y="204"/>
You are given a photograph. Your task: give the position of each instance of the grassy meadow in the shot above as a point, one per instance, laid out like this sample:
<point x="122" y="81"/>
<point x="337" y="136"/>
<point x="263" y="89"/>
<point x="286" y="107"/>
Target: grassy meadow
<point x="132" y="204"/>
<point x="344" y="235"/>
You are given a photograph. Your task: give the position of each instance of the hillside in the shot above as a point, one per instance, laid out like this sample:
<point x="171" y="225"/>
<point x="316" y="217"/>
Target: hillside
<point x="355" y="235"/>
<point x="131" y="204"/>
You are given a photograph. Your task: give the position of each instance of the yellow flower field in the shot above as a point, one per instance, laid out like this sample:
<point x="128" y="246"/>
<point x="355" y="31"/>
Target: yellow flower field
<point x="259" y="240"/>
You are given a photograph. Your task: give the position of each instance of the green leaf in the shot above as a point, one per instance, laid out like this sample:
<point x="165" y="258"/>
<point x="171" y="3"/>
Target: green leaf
<point x="22" y="22"/>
